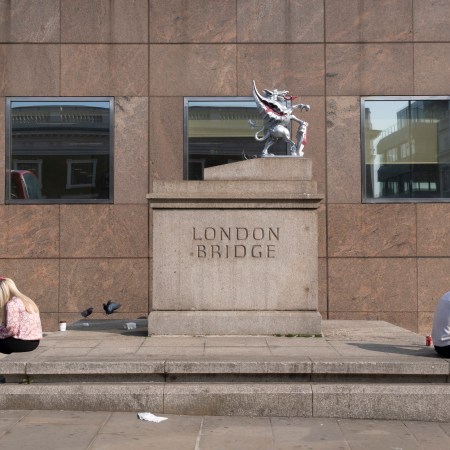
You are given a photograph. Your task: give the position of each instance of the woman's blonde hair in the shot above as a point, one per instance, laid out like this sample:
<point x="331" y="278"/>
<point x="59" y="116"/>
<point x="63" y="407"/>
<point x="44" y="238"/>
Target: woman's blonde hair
<point x="8" y="290"/>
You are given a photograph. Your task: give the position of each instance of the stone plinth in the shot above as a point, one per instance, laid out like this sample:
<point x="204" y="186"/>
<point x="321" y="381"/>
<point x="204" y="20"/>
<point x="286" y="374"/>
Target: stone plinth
<point x="237" y="253"/>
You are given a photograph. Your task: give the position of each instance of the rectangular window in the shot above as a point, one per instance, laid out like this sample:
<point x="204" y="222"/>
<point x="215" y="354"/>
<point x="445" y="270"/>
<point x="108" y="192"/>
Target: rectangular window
<point x="406" y="151"/>
<point x="81" y="173"/>
<point x="59" y="150"/>
<point x="219" y="131"/>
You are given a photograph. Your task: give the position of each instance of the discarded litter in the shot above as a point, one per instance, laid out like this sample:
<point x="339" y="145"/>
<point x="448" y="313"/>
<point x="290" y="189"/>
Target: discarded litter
<point x="150" y="417"/>
<point x="85" y="324"/>
<point x="130" y="326"/>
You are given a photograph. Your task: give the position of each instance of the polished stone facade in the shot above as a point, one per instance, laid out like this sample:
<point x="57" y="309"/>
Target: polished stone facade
<point x="375" y="261"/>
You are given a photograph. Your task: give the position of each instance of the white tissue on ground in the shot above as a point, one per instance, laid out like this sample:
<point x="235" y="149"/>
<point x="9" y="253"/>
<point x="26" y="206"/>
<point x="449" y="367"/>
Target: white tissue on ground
<point x="150" y="417"/>
<point x="130" y="326"/>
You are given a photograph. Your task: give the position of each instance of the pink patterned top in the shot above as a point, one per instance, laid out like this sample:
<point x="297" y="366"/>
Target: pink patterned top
<point x="20" y="324"/>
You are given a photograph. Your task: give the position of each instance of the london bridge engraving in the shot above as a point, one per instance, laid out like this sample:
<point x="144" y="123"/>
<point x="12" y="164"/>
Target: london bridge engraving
<point x="235" y="242"/>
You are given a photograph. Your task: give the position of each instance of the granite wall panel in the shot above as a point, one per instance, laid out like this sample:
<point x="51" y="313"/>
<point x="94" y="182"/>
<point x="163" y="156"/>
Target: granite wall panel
<point x="100" y="69"/>
<point x="50" y="321"/>
<point x="372" y="284"/>
<point x="192" y="69"/>
<point x="104" y="21"/>
<point x="432" y="281"/>
<point x="431" y="69"/>
<point x="402" y="319"/>
<point x="131" y="150"/>
<point x="281" y="68"/>
<point x="433" y="232"/>
<point x="29" y="21"/>
<point x="343" y="150"/>
<point x="315" y="147"/>
<point x="92" y="282"/>
<point x="369" y="20"/>
<point x="29" y="231"/>
<point x="431" y="20"/>
<point x="425" y="323"/>
<point x="195" y="21"/>
<point x="36" y="278"/>
<point x="369" y="69"/>
<point x="104" y="231"/>
<point x="166" y="138"/>
<point x="3" y="141"/>
<point x="29" y="69"/>
<point x="297" y="21"/>
<point x="371" y="230"/>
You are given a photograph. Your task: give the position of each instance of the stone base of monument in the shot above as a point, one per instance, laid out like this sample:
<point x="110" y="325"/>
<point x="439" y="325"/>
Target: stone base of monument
<point x="303" y="323"/>
<point x="237" y="252"/>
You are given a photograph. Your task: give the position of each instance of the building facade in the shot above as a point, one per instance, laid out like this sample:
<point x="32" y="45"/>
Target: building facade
<point x="386" y="260"/>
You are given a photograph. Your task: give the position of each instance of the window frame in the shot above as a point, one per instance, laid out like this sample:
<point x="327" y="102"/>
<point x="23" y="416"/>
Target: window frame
<point x="9" y="156"/>
<point x="364" y="198"/>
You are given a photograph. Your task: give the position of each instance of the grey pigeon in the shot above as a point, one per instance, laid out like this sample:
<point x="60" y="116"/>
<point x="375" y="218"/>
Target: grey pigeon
<point x="87" y="312"/>
<point x="111" y="306"/>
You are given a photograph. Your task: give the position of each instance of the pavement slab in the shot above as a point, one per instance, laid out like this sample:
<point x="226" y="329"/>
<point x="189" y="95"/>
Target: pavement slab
<point x="85" y="430"/>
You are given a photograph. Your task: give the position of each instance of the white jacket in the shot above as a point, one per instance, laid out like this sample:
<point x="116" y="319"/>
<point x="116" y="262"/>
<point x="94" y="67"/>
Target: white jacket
<point x="441" y="322"/>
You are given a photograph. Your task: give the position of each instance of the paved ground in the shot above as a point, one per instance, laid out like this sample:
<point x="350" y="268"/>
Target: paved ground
<point x="102" y="430"/>
<point x="103" y="340"/>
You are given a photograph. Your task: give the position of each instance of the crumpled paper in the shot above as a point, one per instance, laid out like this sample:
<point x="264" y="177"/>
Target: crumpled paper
<point x="150" y="417"/>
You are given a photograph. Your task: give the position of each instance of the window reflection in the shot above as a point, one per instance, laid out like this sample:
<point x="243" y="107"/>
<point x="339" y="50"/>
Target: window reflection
<point x="218" y="132"/>
<point x="407" y="150"/>
<point x="59" y="150"/>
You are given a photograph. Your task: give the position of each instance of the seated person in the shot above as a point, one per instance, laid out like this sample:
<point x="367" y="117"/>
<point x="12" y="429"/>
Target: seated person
<point x="441" y="326"/>
<point x="20" y="328"/>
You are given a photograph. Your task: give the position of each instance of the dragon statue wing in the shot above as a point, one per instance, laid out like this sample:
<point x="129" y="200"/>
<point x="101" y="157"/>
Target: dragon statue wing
<point x="269" y="108"/>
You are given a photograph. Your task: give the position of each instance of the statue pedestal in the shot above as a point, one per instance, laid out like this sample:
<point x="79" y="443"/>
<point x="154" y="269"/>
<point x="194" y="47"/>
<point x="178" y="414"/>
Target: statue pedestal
<point x="237" y="253"/>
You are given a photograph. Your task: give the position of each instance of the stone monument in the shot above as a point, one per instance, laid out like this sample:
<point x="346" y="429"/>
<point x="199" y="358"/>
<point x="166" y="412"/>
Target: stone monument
<point x="236" y="253"/>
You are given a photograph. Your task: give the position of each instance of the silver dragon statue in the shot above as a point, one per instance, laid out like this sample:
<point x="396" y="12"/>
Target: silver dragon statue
<point x="277" y="115"/>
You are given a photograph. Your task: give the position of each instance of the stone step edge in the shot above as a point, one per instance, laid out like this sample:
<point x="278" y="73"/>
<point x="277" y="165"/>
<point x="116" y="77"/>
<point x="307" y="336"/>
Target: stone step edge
<point x="422" y="402"/>
<point x="168" y="367"/>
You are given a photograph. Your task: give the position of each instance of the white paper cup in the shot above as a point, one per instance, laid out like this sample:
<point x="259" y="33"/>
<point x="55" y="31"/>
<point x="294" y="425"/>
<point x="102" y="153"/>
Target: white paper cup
<point x="62" y="326"/>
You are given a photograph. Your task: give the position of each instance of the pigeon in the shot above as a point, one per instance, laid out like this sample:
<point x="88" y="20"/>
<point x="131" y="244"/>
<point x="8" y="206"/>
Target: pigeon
<point x="111" y="306"/>
<point x="87" y="312"/>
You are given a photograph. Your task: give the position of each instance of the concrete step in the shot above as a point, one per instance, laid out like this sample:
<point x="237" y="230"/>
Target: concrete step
<point x="356" y="370"/>
<point x="424" y="402"/>
<point x="238" y="369"/>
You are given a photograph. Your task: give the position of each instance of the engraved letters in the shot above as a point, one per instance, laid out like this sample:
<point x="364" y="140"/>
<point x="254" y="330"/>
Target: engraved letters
<point x="236" y="242"/>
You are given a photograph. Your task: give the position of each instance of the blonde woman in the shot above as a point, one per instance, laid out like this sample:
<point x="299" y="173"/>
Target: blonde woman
<point x="20" y="330"/>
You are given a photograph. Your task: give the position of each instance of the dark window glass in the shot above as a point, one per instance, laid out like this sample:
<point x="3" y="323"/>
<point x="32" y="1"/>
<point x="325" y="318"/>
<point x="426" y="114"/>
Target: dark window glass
<point x="406" y="149"/>
<point x="220" y="131"/>
<point x="59" y="150"/>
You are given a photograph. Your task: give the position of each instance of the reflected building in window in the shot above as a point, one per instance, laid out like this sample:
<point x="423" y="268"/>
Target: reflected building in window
<point x="411" y="158"/>
<point x="63" y="148"/>
<point x="220" y="131"/>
